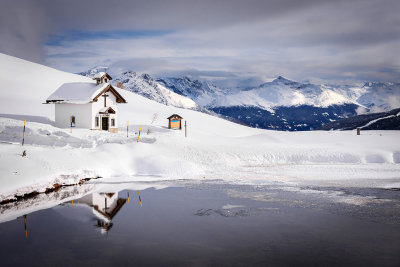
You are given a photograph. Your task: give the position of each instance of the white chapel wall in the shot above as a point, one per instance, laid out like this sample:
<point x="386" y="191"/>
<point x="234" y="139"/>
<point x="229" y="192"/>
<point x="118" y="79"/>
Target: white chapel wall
<point x="82" y="113"/>
<point x="97" y="106"/>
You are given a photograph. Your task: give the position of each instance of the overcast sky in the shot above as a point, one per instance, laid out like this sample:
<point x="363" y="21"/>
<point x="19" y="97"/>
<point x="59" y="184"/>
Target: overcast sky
<point x="299" y="39"/>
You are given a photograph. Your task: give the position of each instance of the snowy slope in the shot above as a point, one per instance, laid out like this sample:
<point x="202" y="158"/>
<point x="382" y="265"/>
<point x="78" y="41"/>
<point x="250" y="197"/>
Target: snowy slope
<point x="26" y="85"/>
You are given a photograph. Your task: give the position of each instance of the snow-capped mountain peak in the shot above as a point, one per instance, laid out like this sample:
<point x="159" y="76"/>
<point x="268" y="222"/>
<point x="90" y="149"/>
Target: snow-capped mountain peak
<point x="202" y="92"/>
<point x="146" y="86"/>
<point x="314" y="104"/>
<point x="93" y="71"/>
<point x="284" y="92"/>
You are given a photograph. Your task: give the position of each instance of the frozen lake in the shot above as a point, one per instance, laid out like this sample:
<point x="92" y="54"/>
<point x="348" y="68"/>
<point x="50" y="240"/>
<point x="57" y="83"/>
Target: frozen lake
<point x="206" y="223"/>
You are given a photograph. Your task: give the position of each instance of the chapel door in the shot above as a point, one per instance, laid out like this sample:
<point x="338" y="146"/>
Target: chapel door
<point x="104" y="123"/>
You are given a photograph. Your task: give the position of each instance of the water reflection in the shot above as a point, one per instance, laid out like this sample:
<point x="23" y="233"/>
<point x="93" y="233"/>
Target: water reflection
<point x="140" y="199"/>
<point x="26" y="229"/>
<point x="200" y="225"/>
<point x="105" y="207"/>
<point x="43" y="201"/>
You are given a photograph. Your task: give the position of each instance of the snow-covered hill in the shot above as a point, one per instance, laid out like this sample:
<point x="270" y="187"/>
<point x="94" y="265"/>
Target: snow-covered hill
<point x="25" y="86"/>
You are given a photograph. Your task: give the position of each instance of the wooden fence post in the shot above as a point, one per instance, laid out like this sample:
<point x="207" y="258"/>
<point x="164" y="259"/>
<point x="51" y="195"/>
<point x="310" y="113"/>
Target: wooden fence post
<point x="358" y="131"/>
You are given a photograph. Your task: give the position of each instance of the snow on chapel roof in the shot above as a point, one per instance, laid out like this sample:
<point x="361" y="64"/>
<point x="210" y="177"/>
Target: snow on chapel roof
<point x="78" y="93"/>
<point x="81" y="93"/>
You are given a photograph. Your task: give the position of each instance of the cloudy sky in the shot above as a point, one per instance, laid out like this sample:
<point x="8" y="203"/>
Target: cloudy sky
<point x="299" y="39"/>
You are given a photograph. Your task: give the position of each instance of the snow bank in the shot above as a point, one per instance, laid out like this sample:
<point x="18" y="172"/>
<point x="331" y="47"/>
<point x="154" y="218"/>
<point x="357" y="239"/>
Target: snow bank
<point x="228" y="152"/>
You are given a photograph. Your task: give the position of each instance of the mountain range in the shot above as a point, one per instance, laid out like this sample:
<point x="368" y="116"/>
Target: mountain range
<point x="389" y="120"/>
<point x="280" y="104"/>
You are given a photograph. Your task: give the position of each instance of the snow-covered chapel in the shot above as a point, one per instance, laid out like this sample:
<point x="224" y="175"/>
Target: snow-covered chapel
<point x="87" y="105"/>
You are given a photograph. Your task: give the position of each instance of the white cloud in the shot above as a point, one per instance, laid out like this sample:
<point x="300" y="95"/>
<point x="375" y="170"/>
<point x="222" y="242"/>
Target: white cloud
<point x="297" y="39"/>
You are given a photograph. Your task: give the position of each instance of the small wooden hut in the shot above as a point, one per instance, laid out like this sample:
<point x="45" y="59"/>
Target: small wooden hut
<point x="175" y="122"/>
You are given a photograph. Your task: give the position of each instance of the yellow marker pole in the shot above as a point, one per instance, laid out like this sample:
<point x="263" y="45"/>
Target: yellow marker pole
<point x="127" y="130"/>
<point x="23" y="134"/>
<point x="26" y="229"/>
<point x="140" y="199"/>
<point x="128" y="196"/>
<point x="139" y="133"/>
<point x="72" y="202"/>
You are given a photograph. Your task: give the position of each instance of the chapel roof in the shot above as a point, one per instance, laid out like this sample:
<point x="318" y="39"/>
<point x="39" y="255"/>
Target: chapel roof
<point x="81" y="93"/>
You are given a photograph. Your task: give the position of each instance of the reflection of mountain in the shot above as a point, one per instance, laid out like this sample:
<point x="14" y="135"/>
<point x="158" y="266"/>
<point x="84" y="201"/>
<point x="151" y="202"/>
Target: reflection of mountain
<point x="105" y="207"/>
<point x="14" y="210"/>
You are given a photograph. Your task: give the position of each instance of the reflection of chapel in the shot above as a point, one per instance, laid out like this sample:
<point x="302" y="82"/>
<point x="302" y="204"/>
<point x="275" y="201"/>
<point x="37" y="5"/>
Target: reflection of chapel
<point x="87" y="105"/>
<point x="105" y="207"/>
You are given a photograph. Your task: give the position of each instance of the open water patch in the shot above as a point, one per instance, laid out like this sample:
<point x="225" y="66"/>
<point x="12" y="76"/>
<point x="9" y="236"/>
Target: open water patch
<point x="203" y="223"/>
